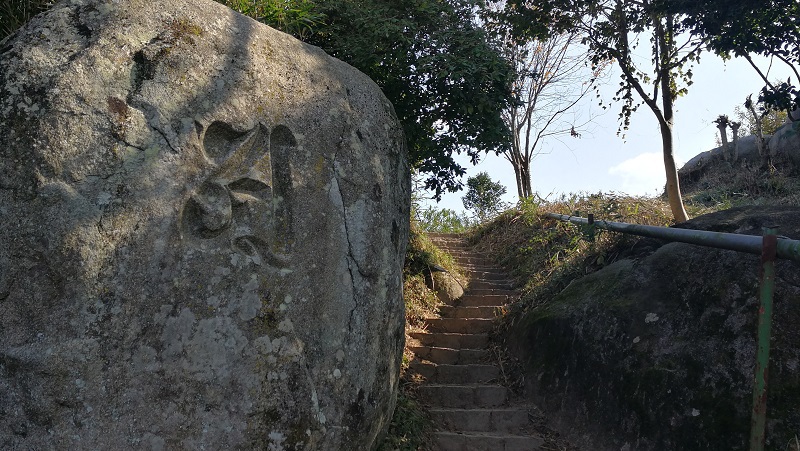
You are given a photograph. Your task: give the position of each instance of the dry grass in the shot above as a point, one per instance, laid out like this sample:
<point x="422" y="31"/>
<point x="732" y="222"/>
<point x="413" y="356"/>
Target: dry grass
<point x="745" y="184"/>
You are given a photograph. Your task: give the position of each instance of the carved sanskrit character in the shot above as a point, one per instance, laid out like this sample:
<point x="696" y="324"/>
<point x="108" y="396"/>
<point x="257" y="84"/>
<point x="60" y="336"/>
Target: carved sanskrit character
<point x="247" y="199"/>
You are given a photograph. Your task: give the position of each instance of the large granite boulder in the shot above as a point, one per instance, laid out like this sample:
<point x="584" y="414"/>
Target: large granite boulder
<point x="203" y="229"/>
<point x="656" y="351"/>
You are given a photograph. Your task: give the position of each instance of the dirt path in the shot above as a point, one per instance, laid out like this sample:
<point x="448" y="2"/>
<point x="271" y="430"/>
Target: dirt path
<point x="471" y="409"/>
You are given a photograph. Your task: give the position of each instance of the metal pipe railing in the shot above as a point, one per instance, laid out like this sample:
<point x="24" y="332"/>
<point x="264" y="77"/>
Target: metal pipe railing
<point x="786" y="249"/>
<point x="769" y="246"/>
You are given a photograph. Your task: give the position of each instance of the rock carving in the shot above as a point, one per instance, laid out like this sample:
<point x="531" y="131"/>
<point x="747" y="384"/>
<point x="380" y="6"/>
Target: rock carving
<point x="247" y="198"/>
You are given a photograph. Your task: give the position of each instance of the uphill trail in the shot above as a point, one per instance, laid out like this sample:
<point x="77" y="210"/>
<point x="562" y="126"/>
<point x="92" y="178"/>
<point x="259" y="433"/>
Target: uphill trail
<point x="462" y="387"/>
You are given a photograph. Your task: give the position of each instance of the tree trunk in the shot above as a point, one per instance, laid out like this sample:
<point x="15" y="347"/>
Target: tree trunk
<point x="673" y="184"/>
<point x="518" y="177"/>
<point x="735" y="152"/>
<point x="526" y="179"/>
<point x="664" y="35"/>
<point x="723" y="134"/>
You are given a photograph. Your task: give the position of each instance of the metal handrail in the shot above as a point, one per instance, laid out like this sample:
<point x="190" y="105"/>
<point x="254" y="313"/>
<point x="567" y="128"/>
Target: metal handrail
<point x="751" y="244"/>
<point x="769" y="246"/>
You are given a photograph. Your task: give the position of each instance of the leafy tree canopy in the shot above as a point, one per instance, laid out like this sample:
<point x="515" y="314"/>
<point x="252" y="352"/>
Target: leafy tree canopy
<point x="743" y="27"/>
<point x="447" y="83"/>
<point x="484" y="196"/>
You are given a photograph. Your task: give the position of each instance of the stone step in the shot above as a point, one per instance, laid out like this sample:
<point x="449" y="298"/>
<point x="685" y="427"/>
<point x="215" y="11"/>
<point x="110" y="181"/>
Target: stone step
<point x="501" y="284"/>
<point x="444" y="235"/>
<point x="473" y="260"/>
<point x="463" y="396"/>
<point x="453" y="341"/>
<point x="487" y="312"/>
<point x="448" y="245"/>
<point x="455" y="374"/>
<point x="485" y="300"/>
<point x="453" y="441"/>
<point x="481" y="420"/>
<point x="450" y="356"/>
<point x="458" y="251"/>
<point x="454" y="246"/>
<point x="487" y="275"/>
<point x="461" y="251"/>
<point x="497" y="291"/>
<point x="460" y="325"/>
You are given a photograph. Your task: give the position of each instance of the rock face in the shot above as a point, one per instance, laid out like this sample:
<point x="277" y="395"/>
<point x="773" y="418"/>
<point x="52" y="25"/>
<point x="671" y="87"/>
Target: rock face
<point x="203" y="228"/>
<point x="656" y="351"/>
<point x="446" y="287"/>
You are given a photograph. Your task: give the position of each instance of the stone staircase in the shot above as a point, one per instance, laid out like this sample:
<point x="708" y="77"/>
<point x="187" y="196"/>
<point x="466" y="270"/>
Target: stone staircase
<point x="471" y="409"/>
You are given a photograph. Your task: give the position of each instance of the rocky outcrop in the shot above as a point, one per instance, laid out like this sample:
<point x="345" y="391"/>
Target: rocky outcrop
<point x="656" y="351"/>
<point x="782" y="149"/>
<point x="203" y="229"/>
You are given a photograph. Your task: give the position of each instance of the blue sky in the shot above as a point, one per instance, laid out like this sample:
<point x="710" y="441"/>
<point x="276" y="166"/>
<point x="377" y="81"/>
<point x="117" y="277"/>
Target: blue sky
<point x="602" y="161"/>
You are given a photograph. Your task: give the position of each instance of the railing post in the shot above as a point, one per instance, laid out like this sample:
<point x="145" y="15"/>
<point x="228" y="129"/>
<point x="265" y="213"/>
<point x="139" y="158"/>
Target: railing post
<point x="588" y="230"/>
<point x="758" y="421"/>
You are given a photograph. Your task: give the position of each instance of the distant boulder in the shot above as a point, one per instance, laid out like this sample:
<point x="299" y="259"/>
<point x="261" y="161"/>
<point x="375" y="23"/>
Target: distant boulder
<point x="706" y="168"/>
<point x="657" y="351"/>
<point x="203" y="229"/>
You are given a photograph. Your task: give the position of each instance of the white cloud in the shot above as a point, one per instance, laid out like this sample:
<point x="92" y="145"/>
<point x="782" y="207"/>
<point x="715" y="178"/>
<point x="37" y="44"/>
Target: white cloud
<point x="642" y="174"/>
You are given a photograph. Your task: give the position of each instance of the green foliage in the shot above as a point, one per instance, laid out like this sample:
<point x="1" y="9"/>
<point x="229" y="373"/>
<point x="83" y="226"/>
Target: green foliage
<point x="484" y="196"/>
<point x="296" y="17"/>
<point x="421" y="254"/>
<point x="771" y="121"/>
<point x="16" y="13"/>
<point x="447" y="83"/>
<point x="443" y="220"/>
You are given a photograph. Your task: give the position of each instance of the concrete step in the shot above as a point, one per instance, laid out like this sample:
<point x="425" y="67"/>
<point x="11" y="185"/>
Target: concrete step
<point x="450" y="356"/>
<point x="481" y="420"/>
<point x="486" y="312"/>
<point x="460" y="325"/>
<point x="463" y="396"/>
<point x="455" y="374"/>
<point x="453" y="341"/>
<point x="486" y="300"/>
<point x="453" y="441"/>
